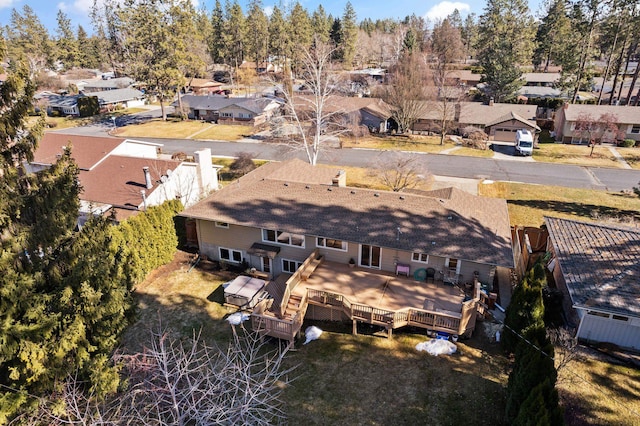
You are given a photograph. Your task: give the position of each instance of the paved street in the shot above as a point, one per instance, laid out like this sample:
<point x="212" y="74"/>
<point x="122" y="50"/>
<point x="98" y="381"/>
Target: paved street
<point x="504" y="168"/>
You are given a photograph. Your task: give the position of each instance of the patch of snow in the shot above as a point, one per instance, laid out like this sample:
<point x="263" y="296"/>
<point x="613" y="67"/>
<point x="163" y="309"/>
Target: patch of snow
<point x="237" y="318"/>
<point x="437" y="347"/>
<point x="312" y="333"/>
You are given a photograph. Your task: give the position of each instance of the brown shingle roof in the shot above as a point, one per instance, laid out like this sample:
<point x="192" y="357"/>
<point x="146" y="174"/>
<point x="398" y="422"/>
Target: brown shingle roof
<point x="477" y="113"/>
<point x="346" y="105"/>
<point x="625" y="114"/>
<point x="600" y="264"/>
<point x="87" y="151"/>
<point x="118" y="180"/>
<point x="463" y="226"/>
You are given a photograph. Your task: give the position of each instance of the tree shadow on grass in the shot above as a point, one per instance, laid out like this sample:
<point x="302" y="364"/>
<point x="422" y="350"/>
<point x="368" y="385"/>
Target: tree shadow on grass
<point x="579" y="210"/>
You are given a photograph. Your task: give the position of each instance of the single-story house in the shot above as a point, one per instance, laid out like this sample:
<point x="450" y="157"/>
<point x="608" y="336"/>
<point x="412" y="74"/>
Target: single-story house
<point x="373" y="113"/>
<point x="225" y="110"/>
<point x="58" y="104"/>
<point x="119" y="98"/>
<point x="301" y="227"/>
<point x="99" y="85"/>
<point x="597" y="265"/>
<point x="203" y="86"/>
<point x="125" y="175"/>
<point x="568" y="117"/>
<point x="498" y="120"/>
<point x="260" y="68"/>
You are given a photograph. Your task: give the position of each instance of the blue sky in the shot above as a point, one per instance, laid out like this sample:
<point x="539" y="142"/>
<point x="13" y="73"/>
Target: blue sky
<point x="78" y="10"/>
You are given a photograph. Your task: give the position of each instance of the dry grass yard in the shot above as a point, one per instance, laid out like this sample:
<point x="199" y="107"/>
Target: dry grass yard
<point x="371" y="380"/>
<point x="529" y="203"/>
<point x="575" y="154"/>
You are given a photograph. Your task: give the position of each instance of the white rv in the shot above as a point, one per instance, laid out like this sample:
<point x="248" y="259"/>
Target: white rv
<point x="524" y="142"/>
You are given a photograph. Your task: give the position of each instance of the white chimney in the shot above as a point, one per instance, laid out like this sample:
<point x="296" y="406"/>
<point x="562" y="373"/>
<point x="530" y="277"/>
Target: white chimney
<point x="206" y="176"/>
<point x="147" y="177"/>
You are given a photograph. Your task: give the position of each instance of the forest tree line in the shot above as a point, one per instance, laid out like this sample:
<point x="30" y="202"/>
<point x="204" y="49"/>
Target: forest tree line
<point x="160" y="42"/>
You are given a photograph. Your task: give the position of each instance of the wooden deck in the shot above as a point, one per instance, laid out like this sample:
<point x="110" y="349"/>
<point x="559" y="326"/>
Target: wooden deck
<point x="363" y="295"/>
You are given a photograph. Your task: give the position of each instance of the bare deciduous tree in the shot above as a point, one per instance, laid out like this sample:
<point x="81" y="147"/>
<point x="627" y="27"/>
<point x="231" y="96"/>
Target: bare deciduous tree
<point x="565" y="347"/>
<point x="314" y="121"/>
<point x="176" y="382"/>
<point x="399" y="172"/>
<point x="406" y="90"/>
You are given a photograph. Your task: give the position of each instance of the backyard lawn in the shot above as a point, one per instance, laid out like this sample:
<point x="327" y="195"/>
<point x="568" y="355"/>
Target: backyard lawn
<point x="371" y="380"/>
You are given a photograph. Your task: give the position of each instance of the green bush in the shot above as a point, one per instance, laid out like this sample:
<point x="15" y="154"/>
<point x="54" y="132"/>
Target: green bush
<point x="628" y="143"/>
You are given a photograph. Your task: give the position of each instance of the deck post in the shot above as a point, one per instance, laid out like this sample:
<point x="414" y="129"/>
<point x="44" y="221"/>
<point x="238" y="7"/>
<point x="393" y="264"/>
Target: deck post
<point x="355" y="328"/>
<point x="389" y="332"/>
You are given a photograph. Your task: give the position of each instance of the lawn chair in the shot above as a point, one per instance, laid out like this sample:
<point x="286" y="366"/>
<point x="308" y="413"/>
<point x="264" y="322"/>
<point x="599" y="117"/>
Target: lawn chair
<point x="431" y="275"/>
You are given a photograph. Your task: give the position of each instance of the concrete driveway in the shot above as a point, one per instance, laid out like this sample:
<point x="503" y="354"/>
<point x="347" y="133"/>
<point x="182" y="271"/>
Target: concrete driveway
<point x="506" y="151"/>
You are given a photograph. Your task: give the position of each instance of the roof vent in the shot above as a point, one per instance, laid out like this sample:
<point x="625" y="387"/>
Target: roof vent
<point x="329" y="189"/>
<point x="376" y="195"/>
<point x="286" y="184"/>
<point x="307" y="187"/>
<point x="402" y="197"/>
<point x="353" y="192"/>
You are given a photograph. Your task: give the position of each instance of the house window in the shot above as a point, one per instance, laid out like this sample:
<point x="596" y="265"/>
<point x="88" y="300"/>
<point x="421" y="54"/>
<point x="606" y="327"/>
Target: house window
<point x="331" y="243"/>
<point x="598" y="314"/>
<point x="290" y="266"/>
<point x="635" y="128"/>
<point x="244" y="115"/>
<point x="226" y="114"/>
<point x="370" y="256"/>
<point x="222" y="225"/>
<point x="420" y="257"/>
<point x="282" y="237"/>
<point x="230" y="255"/>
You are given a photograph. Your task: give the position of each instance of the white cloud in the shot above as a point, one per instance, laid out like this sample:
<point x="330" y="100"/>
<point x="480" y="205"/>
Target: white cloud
<point x="82" y="6"/>
<point x="62" y="6"/>
<point x="444" y="9"/>
<point x="268" y="10"/>
<point x="6" y="4"/>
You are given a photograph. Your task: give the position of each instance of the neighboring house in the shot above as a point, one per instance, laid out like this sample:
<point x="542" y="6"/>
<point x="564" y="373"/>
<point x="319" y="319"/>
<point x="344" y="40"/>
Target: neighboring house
<point x="126" y="176"/>
<point x="225" y="110"/>
<point x="498" y="120"/>
<point x="373" y="113"/>
<point x="284" y="219"/>
<point x="260" y="68"/>
<point x="107" y="100"/>
<point x="466" y="77"/>
<point x="597" y="266"/>
<point x="100" y="85"/>
<point x="625" y="118"/>
<point x="203" y="86"/>
<point x="118" y="98"/>
<point x="56" y="104"/>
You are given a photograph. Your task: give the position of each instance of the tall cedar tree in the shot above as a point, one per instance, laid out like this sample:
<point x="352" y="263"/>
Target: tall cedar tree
<point x="552" y="34"/>
<point x="504" y="43"/>
<point x="257" y="33"/>
<point x="216" y="40"/>
<point x="349" y="35"/>
<point x="28" y="40"/>
<point x="67" y="48"/>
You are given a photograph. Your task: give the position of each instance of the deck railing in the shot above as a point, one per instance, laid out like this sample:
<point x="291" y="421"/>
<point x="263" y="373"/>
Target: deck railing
<point x="294" y="279"/>
<point x="282" y="328"/>
<point x="450" y="322"/>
